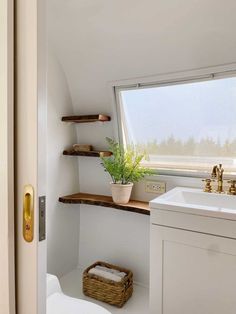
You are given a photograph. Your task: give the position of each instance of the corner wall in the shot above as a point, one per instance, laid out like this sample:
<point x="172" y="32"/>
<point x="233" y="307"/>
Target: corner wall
<point x="62" y="175"/>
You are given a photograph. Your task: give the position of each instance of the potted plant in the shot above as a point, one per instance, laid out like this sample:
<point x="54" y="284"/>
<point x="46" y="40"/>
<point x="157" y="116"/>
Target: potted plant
<point x="125" y="169"/>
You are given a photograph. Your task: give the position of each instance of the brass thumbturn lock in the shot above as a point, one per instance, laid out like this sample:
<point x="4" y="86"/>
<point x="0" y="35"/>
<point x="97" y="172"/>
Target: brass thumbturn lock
<point x="28" y="213"/>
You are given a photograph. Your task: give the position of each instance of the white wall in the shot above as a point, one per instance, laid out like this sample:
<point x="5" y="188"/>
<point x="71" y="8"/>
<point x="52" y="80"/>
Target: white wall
<point x="112" y="235"/>
<point x="102" y="41"/>
<point x="62" y="175"/>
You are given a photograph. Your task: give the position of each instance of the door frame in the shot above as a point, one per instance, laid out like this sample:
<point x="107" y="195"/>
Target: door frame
<point x="30" y="156"/>
<point x="7" y="271"/>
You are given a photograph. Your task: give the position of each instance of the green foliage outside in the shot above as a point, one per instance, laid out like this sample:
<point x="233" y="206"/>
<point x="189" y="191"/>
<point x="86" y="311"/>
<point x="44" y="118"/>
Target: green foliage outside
<point x="124" y="164"/>
<point x="205" y="147"/>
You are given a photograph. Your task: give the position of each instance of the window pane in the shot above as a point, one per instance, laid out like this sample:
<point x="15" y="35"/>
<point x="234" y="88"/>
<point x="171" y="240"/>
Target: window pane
<point x="185" y="126"/>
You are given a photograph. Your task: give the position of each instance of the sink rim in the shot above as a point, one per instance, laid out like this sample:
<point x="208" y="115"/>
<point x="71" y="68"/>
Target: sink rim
<point x="163" y="203"/>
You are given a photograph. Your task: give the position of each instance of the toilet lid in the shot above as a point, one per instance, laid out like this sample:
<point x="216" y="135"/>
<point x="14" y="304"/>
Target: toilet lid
<point x="59" y="303"/>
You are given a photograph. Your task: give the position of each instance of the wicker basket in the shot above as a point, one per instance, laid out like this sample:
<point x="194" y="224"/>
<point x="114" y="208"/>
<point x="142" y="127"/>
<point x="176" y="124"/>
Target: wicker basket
<point x="114" y="293"/>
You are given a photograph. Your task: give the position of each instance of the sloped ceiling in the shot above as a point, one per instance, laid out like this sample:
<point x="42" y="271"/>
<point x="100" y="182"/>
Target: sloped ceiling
<point x="98" y="41"/>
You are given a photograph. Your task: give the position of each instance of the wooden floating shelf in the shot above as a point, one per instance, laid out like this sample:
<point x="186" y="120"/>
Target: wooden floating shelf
<point x="87" y="118"/>
<point x="106" y="201"/>
<point x="90" y="153"/>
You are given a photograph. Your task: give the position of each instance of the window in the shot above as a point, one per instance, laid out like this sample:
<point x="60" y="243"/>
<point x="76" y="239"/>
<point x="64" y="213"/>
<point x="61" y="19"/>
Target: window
<point x="186" y="126"/>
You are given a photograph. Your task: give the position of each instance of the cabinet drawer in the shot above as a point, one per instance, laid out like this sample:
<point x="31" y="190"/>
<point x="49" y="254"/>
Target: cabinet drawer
<point x="203" y="224"/>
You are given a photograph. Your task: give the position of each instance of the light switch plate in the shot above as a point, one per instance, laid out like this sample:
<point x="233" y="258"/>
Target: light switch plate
<point x="156" y="187"/>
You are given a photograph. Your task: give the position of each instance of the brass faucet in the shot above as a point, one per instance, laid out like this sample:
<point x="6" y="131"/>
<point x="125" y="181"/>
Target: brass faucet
<point x="217" y="172"/>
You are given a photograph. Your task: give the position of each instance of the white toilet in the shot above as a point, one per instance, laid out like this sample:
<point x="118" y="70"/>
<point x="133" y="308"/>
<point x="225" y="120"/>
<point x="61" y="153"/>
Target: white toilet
<point x="59" y="303"/>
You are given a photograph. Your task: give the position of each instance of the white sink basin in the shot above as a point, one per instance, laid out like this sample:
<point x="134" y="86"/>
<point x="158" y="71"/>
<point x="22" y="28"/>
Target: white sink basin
<point x="195" y="201"/>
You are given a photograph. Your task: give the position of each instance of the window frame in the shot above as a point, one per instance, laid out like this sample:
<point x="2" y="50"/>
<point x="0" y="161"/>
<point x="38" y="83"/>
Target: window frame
<point x="169" y="79"/>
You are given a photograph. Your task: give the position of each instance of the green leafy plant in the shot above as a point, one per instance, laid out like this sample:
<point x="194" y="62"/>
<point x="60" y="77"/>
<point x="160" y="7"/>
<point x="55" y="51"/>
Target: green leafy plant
<point x="124" y="164"/>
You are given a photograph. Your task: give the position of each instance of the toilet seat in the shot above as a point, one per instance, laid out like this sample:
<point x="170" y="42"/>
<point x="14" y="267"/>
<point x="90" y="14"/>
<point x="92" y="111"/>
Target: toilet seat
<point x="59" y="303"/>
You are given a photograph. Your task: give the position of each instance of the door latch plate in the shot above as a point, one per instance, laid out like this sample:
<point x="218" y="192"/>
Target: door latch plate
<point x="42" y="218"/>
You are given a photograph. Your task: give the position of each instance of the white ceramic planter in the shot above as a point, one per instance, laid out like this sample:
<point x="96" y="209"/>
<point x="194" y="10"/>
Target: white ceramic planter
<point x="121" y="192"/>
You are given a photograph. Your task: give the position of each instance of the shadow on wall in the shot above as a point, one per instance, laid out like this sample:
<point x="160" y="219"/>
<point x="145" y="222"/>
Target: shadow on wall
<point x="62" y="175"/>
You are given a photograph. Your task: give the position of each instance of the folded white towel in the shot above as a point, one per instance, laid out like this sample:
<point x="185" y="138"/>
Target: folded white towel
<point x="105" y="274"/>
<point x="111" y="270"/>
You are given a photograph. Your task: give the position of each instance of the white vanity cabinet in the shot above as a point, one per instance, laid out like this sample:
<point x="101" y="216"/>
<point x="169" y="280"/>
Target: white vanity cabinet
<point x="193" y="262"/>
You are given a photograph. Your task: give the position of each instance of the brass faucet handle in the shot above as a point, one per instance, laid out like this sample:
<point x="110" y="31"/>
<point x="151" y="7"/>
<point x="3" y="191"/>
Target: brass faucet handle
<point x="232" y="182"/>
<point x="208" y="187"/>
<point x="232" y="188"/>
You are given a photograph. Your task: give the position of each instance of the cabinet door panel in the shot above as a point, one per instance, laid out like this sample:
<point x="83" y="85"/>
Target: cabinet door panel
<point x="192" y="273"/>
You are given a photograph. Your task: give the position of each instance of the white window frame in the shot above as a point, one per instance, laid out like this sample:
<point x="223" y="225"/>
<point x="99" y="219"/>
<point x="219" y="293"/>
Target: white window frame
<point x="203" y="74"/>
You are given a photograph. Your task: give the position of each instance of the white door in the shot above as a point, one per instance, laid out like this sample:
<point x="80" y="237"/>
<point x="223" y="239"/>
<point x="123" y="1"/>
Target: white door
<point x="30" y="136"/>
<point x="192" y="272"/>
<point x="7" y="280"/>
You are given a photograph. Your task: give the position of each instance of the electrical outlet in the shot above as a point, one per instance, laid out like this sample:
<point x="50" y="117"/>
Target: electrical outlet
<point x="156" y="187"/>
